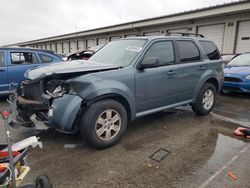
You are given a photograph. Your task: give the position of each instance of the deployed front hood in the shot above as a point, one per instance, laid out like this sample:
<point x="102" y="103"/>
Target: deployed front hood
<point x="67" y="67"/>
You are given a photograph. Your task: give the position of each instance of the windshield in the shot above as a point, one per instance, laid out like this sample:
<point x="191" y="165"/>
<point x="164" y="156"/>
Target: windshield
<point x="120" y="53"/>
<point x="241" y="60"/>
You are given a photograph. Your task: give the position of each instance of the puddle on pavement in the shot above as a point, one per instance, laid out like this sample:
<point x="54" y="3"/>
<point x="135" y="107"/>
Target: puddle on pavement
<point x="225" y="149"/>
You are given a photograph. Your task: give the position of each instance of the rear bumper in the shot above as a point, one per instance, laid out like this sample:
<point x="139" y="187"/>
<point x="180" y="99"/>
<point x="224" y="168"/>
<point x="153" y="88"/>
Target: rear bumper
<point x="61" y="114"/>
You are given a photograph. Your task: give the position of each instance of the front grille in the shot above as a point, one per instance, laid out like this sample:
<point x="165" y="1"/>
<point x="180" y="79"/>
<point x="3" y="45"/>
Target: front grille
<point x="232" y="79"/>
<point x="230" y="88"/>
<point x="30" y="90"/>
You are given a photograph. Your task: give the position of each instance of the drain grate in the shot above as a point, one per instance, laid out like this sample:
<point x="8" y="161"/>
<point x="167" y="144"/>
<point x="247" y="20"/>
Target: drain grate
<point x="159" y="155"/>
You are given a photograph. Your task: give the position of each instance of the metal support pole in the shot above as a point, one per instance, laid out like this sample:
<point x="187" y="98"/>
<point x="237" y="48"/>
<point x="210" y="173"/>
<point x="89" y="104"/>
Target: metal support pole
<point x="6" y="124"/>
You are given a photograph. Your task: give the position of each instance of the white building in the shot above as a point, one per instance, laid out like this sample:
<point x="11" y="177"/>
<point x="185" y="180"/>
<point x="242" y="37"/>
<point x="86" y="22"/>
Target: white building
<point x="228" y="25"/>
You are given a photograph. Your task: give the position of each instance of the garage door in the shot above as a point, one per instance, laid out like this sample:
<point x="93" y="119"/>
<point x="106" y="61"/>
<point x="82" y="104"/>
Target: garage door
<point x="102" y="41"/>
<point x="90" y="43"/>
<point x="81" y="44"/>
<point x="155" y="33"/>
<point x="114" y="38"/>
<point x="48" y="46"/>
<point x="59" y="48"/>
<point x="65" y="48"/>
<point x="53" y="47"/>
<point x="243" y="39"/>
<point x="182" y="30"/>
<point x="130" y="35"/>
<point x="73" y="46"/>
<point x="214" y="33"/>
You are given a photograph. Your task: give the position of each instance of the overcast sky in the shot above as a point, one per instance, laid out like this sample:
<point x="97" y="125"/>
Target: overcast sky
<point x="23" y="20"/>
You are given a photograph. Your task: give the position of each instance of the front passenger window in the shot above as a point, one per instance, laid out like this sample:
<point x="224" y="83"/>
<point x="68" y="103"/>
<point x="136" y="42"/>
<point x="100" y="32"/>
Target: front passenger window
<point x="164" y="51"/>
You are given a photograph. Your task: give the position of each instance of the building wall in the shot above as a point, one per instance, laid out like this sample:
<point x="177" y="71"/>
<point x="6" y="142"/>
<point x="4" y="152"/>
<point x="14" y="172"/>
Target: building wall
<point x="227" y="41"/>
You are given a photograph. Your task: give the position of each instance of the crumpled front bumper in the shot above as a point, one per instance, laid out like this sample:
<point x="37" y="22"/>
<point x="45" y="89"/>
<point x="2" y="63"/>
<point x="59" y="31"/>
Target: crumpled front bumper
<point x="61" y="114"/>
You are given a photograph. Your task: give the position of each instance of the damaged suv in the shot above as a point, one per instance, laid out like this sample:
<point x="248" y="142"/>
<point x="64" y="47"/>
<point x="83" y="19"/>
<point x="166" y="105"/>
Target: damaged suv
<point x="126" y="79"/>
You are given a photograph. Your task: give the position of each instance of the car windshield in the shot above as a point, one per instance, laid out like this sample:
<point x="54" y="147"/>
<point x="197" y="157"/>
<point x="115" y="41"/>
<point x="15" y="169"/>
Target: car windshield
<point x="120" y="52"/>
<point x="241" y="60"/>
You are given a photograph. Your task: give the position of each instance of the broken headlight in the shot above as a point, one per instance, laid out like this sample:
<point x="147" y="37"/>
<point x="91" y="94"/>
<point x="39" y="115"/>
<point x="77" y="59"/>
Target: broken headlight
<point x="56" y="88"/>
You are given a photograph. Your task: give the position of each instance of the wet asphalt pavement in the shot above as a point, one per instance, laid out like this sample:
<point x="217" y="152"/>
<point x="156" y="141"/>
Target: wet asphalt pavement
<point x="202" y="150"/>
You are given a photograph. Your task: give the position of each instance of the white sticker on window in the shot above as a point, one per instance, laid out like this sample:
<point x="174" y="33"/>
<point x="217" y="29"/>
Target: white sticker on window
<point x="134" y="48"/>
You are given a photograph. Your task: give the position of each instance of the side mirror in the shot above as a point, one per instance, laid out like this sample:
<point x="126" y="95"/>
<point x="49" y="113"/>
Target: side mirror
<point x="149" y="62"/>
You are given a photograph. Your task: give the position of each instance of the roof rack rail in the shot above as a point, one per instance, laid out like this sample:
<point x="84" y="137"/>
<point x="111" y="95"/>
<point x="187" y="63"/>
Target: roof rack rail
<point x="184" y="34"/>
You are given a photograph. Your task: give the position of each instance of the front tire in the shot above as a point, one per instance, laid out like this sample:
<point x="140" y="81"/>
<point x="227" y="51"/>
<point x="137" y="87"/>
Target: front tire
<point x="205" y="100"/>
<point x="104" y="123"/>
<point x="43" y="182"/>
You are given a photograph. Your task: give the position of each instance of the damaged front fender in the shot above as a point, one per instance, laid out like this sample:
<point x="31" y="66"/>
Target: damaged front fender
<point x="64" y="111"/>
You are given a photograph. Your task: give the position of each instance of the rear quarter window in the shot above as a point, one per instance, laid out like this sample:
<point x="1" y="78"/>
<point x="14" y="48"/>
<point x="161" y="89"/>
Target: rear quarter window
<point x="1" y="59"/>
<point x="45" y="58"/>
<point x="188" y="51"/>
<point x="210" y="50"/>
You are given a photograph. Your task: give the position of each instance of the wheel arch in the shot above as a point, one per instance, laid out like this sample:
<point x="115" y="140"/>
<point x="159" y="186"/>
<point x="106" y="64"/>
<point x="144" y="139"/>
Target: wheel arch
<point x="114" y="96"/>
<point x="213" y="80"/>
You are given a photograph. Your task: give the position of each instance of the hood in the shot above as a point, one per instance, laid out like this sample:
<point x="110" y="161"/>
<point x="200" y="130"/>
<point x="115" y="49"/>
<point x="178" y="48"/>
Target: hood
<point x="242" y="70"/>
<point x="77" y="66"/>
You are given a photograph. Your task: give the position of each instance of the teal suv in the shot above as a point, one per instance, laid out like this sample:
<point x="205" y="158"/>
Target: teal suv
<point x="124" y="80"/>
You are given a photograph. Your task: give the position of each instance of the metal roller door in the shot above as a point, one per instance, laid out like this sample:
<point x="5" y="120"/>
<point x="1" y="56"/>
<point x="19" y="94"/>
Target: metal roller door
<point x="243" y="39"/>
<point x="182" y="30"/>
<point x="114" y="38"/>
<point x="90" y="43"/>
<point x="59" y="48"/>
<point x="214" y="33"/>
<point x="48" y="46"/>
<point x="81" y="44"/>
<point x="73" y="46"/>
<point x="65" y="48"/>
<point x="101" y="41"/>
<point x="132" y="35"/>
<point x="53" y="47"/>
<point x="155" y="33"/>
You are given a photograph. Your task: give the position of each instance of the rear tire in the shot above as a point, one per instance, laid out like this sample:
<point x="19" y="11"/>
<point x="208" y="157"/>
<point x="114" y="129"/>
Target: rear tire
<point x="205" y="100"/>
<point x="104" y="123"/>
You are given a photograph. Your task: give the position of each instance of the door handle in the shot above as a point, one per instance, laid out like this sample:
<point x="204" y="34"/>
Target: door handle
<point x="171" y="72"/>
<point x="201" y="68"/>
<point x="2" y="70"/>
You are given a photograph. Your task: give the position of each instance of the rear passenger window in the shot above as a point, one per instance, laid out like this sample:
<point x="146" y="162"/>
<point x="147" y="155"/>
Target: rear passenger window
<point x="210" y="49"/>
<point x="164" y="51"/>
<point x="188" y="52"/>
<point x="1" y="59"/>
<point x="45" y="58"/>
<point x="20" y="58"/>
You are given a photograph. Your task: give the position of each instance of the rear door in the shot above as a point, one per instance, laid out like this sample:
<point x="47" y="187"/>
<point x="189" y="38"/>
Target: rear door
<point x="190" y="69"/>
<point x="20" y="61"/>
<point x="3" y="72"/>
